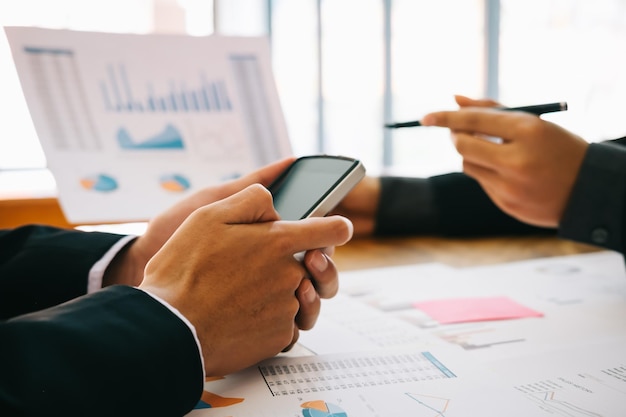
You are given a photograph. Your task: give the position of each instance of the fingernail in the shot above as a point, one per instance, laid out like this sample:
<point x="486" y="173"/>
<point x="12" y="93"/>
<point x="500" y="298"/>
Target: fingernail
<point x="319" y="261"/>
<point x="310" y="294"/>
<point x="350" y="227"/>
<point x="429" y="120"/>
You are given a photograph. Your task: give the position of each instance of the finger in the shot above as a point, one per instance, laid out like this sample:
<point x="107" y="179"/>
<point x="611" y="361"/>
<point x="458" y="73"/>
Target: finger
<point x="328" y="250"/>
<point x="502" y="197"/>
<point x="309" y="305"/>
<point x="497" y="187"/>
<point x="268" y="173"/>
<point x="479" y="151"/>
<point x="294" y="339"/>
<point x="486" y="177"/>
<point x="464" y="101"/>
<point x="312" y="233"/>
<point x="323" y="273"/>
<point x="251" y="205"/>
<point x="263" y="176"/>
<point x="487" y="121"/>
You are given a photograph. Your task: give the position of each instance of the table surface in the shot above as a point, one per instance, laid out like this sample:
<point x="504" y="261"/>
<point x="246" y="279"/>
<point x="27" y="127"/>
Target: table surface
<point x="362" y="253"/>
<point x="359" y="253"/>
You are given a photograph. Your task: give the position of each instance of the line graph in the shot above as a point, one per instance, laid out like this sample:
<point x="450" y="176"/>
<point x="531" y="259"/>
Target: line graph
<point x="431" y="406"/>
<point x="551" y="400"/>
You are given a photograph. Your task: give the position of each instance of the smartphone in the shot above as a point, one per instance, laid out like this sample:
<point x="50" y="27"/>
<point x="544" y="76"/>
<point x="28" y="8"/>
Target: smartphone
<point x="314" y="185"/>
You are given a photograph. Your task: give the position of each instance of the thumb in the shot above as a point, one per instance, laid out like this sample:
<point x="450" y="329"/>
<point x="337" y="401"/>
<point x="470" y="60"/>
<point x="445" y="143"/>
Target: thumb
<point x="253" y="204"/>
<point x="464" y="101"/>
<point x="264" y="175"/>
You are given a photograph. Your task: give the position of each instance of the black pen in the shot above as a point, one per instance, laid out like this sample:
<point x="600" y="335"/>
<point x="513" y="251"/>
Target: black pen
<point x="537" y="109"/>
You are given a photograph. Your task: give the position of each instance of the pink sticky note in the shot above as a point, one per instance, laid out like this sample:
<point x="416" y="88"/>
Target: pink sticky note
<point x="461" y="310"/>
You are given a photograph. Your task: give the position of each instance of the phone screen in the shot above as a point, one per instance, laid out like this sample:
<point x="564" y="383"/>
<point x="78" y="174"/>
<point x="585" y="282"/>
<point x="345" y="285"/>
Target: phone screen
<point x="307" y="182"/>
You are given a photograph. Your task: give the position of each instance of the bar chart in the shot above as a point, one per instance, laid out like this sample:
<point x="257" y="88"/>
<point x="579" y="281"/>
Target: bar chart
<point x="190" y="111"/>
<point x="176" y="96"/>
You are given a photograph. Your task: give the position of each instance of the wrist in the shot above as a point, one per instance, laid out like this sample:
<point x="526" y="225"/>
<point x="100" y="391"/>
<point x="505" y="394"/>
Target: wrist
<point x="126" y="268"/>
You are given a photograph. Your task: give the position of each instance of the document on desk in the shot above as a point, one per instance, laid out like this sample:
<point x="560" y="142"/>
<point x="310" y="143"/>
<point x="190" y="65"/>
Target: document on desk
<point x="130" y="124"/>
<point x="587" y="380"/>
<point x="581" y="297"/>
<point x="377" y="355"/>
<point x="391" y="383"/>
<point x="581" y="381"/>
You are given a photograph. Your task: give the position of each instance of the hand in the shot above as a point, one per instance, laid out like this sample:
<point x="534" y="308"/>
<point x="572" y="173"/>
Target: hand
<point x="464" y="101"/>
<point x="229" y="269"/>
<point x="128" y="266"/>
<point x="322" y="283"/>
<point x="361" y="206"/>
<point x="530" y="174"/>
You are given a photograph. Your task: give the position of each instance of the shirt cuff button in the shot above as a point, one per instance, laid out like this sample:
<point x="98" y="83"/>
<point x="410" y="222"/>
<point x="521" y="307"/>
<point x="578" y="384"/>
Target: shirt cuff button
<point x="599" y="235"/>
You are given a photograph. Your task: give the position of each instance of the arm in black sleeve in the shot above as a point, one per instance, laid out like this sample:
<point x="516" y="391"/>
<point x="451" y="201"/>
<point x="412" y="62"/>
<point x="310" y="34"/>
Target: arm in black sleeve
<point x="596" y="210"/>
<point x="42" y="266"/>
<point x="448" y="205"/>
<point x="116" y="352"/>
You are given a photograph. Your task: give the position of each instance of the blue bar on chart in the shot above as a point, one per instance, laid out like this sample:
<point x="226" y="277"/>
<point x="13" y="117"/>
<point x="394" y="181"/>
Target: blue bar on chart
<point x="177" y="97"/>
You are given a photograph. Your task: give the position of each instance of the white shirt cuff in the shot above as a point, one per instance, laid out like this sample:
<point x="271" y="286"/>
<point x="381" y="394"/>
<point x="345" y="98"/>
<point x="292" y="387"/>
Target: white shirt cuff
<point x="96" y="273"/>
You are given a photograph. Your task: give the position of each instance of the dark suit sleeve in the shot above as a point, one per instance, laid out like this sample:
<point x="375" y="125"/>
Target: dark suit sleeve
<point x="466" y="210"/>
<point x="447" y="205"/>
<point x="596" y="211"/>
<point x="116" y="352"/>
<point x="42" y="266"/>
<point x="455" y="204"/>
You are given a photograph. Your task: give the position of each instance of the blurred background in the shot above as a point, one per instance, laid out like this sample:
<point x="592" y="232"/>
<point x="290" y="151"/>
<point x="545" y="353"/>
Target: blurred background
<point x="345" y="67"/>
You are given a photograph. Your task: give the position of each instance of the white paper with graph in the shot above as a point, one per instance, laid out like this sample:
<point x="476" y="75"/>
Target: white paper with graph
<point x="132" y="123"/>
<point x="373" y="353"/>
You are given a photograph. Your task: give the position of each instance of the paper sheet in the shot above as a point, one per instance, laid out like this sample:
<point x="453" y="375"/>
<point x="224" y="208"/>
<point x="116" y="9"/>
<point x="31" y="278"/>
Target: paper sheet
<point x="392" y="383"/>
<point x="378" y="356"/>
<point x="130" y="124"/>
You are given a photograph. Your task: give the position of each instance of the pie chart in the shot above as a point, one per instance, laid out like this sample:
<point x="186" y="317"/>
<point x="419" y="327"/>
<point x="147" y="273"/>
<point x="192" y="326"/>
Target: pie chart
<point x="322" y="409"/>
<point x="175" y="183"/>
<point x="99" y="182"/>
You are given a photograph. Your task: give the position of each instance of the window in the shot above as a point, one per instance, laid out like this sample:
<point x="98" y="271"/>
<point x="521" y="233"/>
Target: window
<point x="19" y="147"/>
<point x="345" y="67"/>
<point x="437" y="51"/>
<point x="572" y="50"/>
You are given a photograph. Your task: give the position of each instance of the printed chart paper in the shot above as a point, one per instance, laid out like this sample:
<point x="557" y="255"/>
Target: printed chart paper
<point x="393" y="383"/>
<point x="130" y="124"/>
